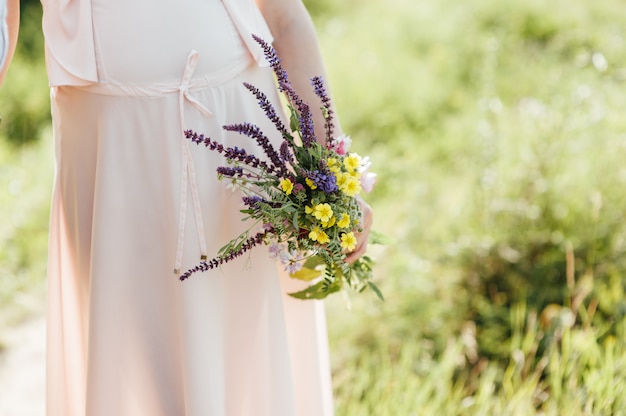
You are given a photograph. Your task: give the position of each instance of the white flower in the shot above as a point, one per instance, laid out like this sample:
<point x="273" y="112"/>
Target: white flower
<point x="368" y="179"/>
<point x="293" y="266"/>
<point x="292" y="260"/>
<point x="275" y="250"/>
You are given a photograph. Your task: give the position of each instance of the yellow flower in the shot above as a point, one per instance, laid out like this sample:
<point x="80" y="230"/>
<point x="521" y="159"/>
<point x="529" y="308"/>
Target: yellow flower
<point x="348" y="241"/>
<point x="329" y="223"/>
<point x="344" y="222"/>
<point x="341" y="178"/>
<point x="310" y="183"/>
<point x="351" y="186"/>
<point x="323" y="238"/>
<point x="352" y="162"/>
<point x="286" y="185"/>
<point x="333" y="165"/>
<point x="355" y="174"/>
<point x="308" y="210"/>
<point x="318" y="235"/>
<point x="314" y="233"/>
<point x="323" y="212"/>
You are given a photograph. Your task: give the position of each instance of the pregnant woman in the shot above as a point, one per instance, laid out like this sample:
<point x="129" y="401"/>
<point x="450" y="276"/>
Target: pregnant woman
<point x="134" y="200"/>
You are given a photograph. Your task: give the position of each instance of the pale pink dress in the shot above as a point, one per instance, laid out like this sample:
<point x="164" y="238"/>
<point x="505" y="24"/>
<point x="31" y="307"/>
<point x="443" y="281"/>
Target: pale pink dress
<point x="133" y="200"/>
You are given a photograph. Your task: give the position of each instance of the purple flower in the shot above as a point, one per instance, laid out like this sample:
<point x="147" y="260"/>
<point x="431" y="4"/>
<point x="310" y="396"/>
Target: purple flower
<point x="230" y="172"/>
<point x="233" y="153"/>
<point x="306" y="126"/>
<point x="320" y="91"/>
<point x="268" y="108"/>
<point x="285" y="153"/>
<point x="232" y="255"/>
<point x="272" y="58"/>
<point x="252" y="131"/>
<point x="305" y="117"/>
<point x="252" y="201"/>
<point x="327" y="182"/>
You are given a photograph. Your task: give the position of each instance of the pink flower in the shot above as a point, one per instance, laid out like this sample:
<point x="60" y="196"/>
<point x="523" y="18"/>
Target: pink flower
<point x="298" y="188"/>
<point x="342" y="144"/>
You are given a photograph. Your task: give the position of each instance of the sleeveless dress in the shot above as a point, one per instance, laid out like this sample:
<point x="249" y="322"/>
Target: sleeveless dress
<point x="133" y="200"/>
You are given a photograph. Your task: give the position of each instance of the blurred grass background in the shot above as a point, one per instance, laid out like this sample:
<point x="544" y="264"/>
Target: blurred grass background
<point x="497" y="132"/>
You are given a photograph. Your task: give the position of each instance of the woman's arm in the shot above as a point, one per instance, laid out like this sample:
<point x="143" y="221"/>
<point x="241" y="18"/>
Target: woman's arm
<point x="295" y="41"/>
<point x="13" y="24"/>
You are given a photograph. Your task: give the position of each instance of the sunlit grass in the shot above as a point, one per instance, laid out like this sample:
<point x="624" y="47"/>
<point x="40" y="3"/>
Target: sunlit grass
<point x="493" y="125"/>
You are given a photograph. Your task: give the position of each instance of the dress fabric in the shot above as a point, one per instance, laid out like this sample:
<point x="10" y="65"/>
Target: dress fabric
<point x="133" y="199"/>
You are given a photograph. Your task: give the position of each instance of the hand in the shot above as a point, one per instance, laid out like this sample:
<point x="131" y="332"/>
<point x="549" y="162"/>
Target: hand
<point x="363" y="235"/>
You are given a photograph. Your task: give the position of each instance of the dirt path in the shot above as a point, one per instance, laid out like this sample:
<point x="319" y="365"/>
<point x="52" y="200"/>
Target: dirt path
<point x="22" y="370"/>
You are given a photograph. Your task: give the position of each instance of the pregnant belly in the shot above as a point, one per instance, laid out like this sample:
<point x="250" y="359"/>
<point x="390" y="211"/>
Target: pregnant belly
<point x="147" y="41"/>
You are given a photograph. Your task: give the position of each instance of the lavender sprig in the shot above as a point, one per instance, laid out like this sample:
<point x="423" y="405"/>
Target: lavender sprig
<point x="320" y="91"/>
<point x="269" y="109"/>
<point x="230" y="172"/>
<point x="285" y="153"/>
<point x="233" y="153"/>
<point x="306" y="125"/>
<point x="250" y="130"/>
<point x="275" y="62"/>
<point x="253" y="201"/>
<point x="304" y="115"/>
<point x="231" y="255"/>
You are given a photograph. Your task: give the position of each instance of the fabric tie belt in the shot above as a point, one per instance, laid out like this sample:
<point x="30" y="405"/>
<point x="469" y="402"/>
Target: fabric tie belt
<point x="188" y="182"/>
<point x="188" y="174"/>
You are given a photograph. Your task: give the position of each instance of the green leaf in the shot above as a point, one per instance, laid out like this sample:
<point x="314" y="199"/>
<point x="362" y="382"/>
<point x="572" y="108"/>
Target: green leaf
<point x="313" y="262"/>
<point x="306" y="274"/>
<point x="316" y="291"/>
<point x="376" y="290"/>
<point x="294" y="123"/>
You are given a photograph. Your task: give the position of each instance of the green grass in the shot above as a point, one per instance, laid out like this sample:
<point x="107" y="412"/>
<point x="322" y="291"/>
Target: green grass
<point x="25" y="185"/>
<point x="26" y="170"/>
<point x="497" y="131"/>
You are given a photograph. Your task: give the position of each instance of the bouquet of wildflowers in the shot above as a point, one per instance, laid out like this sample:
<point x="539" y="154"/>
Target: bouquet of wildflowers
<point x="302" y="196"/>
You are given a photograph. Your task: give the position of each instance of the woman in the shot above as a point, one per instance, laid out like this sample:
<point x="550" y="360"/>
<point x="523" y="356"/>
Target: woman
<point x="134" y="200"/>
